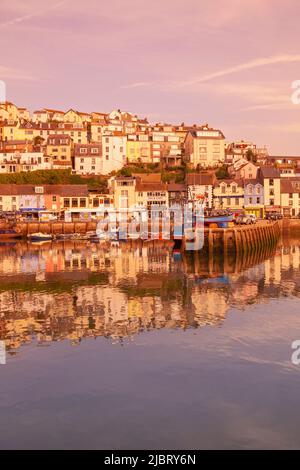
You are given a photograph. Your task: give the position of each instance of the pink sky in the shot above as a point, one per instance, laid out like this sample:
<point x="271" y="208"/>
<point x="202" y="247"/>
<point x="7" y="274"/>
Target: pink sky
<point x="230" y="63"/>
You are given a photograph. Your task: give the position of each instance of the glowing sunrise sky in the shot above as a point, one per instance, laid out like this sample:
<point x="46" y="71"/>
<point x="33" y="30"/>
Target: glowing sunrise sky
<point x="230" y="63"/>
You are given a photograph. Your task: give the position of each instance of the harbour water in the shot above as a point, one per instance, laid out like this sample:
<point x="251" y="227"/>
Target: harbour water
<point x="135" y="347"/>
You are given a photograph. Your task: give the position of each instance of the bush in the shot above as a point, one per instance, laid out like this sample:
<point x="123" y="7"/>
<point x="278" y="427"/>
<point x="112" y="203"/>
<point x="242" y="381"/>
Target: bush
<point x="41" y="177"/>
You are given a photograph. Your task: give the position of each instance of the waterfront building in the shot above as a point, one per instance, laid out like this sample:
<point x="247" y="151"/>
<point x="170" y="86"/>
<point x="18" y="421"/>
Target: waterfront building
<point x="290" y="196"/>
<point x="151" y="194"/>
<point x="177" y="194"/>
<point x="200" y="187"/>
<point x="123" y="189"/>
<point x="228" y="194"/>
<point x="269" y="177"/>
<point x="254" y="197"/>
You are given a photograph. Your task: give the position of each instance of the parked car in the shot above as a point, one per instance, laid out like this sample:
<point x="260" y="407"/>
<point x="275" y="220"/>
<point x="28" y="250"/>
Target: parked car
<point x="274" y="216"/>
<point x="244" y="220"/>
<point x="253" y="218"/>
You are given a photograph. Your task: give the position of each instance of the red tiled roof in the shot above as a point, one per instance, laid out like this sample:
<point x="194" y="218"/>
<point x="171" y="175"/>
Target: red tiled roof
<point x="202" y="179"/>
<point x="29" y="189"/>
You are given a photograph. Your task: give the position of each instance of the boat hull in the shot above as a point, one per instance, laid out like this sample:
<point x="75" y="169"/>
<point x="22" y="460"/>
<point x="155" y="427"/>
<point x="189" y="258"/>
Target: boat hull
<point x="221" y="221"/>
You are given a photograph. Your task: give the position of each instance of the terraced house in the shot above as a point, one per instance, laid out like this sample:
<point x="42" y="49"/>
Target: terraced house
<point x="254" y="197"/>
<point x="88" y="159"/>
<point x="228" y="194"/>
<point x="270" y="179"/>
<point x="59" y="148"/>
<point x="290" y="196"/>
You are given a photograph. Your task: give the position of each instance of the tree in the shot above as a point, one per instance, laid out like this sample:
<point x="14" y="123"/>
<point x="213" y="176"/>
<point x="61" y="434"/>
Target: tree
<point x="222" y="172"/>
<point x="250" y="155"/>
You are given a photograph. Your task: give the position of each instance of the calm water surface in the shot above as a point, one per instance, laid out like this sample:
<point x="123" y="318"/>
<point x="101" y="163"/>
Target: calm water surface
<point x="132" y="347"/>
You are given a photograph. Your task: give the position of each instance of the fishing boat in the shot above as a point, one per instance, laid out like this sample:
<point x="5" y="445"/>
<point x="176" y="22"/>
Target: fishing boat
<point x="9" y="233"/>
<point x="39" y="237"/>
<point x="222" y="221"/>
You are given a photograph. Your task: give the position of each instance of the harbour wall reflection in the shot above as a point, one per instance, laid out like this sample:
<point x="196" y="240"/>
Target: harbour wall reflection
<point x="76" y="290"/>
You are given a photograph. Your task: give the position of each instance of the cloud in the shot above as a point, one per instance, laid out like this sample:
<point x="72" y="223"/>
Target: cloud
<point x="205" y="79"/>
<point x="14" y="74"/>
<point x="137" y="85"/>
<point x="20" y="19"/>
<point x="252" y="64"/>
<point x="271" y="106"/>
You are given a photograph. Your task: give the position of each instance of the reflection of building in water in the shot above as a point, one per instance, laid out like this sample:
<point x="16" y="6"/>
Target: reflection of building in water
<point x="78" y="290"/>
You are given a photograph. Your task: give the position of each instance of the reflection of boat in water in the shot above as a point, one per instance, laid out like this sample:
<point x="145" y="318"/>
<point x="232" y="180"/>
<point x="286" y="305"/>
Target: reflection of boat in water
<point x="39" y="237"/>
<point x="6" y="234"/>
<point x="212" y="280"/>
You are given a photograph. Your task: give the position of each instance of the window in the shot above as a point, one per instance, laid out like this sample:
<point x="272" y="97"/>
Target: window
<point x="228" y="201"/>
<point x="271" y="192"/>
<point x="223" y="189"/>
<point x="258" y="200"/>
<point x="95" y="150"/>
<point x="54" y="198"/>
<point x="271" y="202"/>
<point x="95" y="202"/>
<point x="250" y="200"/>
<point x="74" y="202"/>
<point x="82" y="202"/>
<point x="233" y="189"/>
<point x="271" y="182"/>
<point x="66" y="202"/>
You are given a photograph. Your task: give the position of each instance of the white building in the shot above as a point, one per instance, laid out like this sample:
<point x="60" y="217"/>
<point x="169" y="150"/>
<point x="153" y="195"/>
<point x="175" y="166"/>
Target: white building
<point x="88" y="159"/>
<point x="27" y="161"/>
<point x="114" y="151"/>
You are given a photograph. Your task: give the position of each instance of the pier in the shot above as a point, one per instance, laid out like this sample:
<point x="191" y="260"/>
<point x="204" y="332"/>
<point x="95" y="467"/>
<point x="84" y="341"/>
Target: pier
<point x="233" y="239"/>
<point x="241" y="238"/>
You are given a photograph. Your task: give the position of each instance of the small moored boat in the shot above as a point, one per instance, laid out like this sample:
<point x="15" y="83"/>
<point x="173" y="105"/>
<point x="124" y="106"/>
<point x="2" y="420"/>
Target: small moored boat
<point x="39" y="237"/>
